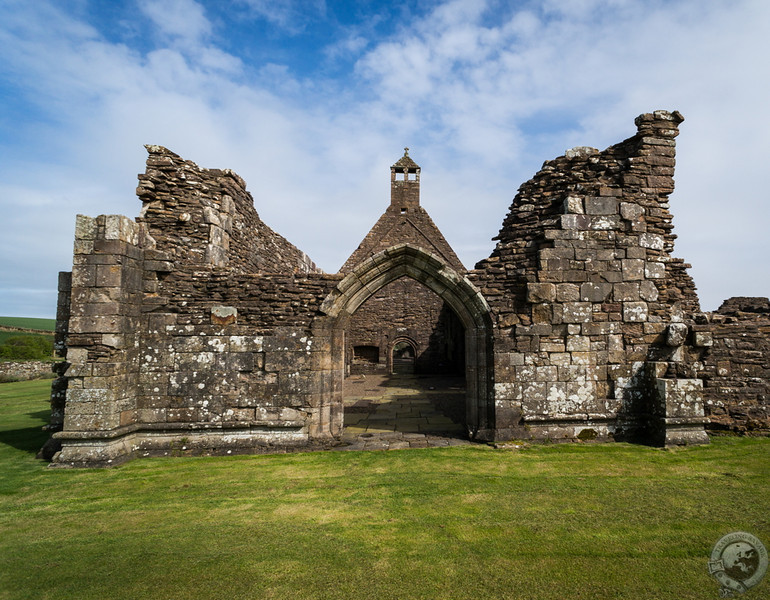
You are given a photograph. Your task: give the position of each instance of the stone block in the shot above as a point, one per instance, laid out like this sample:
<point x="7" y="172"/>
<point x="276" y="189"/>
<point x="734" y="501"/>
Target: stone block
<point x="654" y="270"/>
<point x="541" y="292"/>
<point x="542" y="313"/>
<point x="567" y="292"/>
<point x="648" y="291"/>
<point x="595" y="292"/>
<point x="576" y="312"/>
<point x="703" y="339"/>
<point x="634" y="312"/>
<point x="601" y="205"/>
<point x="575" y="222"/>
<point x="83" y="276"/>
<point x="560" y="359"/>
<point x="549" y="373"/>
<point x="626" y="292"/>
<point x="633" y="269"/>
<point x="119" y="227"/>
<point x="211" y="215"/>
<point x="240" y="361"/>
<point x="631" y="211"/>
<point x="109" y="276"/>
<point x="578" y="343"/>
<point x="549" y="346"/>
<point x="604" y="223"/>
<point x="573" y="205"/>
<point x="285" y="362"/>
<point x="246" y="343"/>
<point x="112" y="324"/>
<point x="651" y="240"/>
<point x="85" y="228"/>
<point x="679" y="398"/>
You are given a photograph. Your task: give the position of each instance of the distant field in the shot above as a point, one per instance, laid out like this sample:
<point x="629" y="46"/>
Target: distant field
<point x="29" y="323"/>
<point x="549" y="522"/>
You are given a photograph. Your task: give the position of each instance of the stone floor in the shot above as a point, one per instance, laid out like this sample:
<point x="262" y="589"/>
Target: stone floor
<point x="390" y="412"/>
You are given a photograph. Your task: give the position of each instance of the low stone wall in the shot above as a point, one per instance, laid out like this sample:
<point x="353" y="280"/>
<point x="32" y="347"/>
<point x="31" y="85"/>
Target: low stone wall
<point x="24" y="370"/>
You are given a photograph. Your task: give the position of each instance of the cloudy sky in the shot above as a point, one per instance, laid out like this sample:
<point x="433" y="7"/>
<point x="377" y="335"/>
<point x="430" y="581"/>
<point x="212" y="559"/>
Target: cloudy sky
<point x="311" y="101"/>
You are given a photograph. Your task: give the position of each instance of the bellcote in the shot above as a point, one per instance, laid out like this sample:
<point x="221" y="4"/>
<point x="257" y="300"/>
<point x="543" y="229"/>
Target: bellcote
<point x="404" y="184"/>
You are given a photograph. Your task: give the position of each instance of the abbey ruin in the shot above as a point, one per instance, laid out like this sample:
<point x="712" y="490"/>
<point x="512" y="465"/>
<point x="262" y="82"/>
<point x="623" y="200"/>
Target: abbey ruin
<point x="197" y="326"/>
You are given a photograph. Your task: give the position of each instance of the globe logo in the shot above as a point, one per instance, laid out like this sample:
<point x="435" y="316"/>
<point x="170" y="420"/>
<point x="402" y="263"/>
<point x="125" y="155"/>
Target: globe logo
<point x="738" y="562"/>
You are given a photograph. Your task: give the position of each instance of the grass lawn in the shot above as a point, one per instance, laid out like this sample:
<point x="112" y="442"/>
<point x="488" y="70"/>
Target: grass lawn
<point x="549" y="522"/>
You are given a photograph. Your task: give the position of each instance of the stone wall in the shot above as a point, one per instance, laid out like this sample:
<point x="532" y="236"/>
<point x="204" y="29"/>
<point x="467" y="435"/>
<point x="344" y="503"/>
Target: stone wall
<point x="736" y="365"/>
<point x="23" y="370"/>
<point x="174" y="328"/>
<point x="206" y="217"/>
<point x="583" y="286"/>
<point x="406" y="310"/>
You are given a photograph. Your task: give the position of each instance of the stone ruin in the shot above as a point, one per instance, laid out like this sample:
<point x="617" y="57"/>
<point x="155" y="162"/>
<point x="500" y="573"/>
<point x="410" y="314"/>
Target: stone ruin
<point x="195" y="328"/>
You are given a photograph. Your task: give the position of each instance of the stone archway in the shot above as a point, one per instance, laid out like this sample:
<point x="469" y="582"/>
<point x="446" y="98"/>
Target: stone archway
<point x="457" y="291"/>
<point x="393" y="351"/>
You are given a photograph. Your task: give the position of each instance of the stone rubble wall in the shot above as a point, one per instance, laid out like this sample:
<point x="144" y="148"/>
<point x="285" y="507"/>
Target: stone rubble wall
<point x="736" y="366"/>
<point x="584" y="287"/>
<point x="24" y="370"/>
<point x="206" y="217"/>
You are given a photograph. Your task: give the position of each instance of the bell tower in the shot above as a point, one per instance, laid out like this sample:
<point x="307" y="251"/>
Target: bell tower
<point x="404" y="185"/>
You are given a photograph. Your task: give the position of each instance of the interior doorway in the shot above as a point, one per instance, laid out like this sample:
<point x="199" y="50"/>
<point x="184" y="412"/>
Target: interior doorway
<point x="403" y="357"/>
<point x="457" y="297"/>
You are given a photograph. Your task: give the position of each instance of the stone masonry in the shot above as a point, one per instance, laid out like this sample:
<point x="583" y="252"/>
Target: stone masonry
<point x="197" y="329"/>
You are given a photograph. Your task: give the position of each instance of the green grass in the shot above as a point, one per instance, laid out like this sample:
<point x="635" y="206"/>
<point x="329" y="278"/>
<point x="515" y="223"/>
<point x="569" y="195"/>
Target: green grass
<point x="550" y="522"/>
<point x="29" y="323"/>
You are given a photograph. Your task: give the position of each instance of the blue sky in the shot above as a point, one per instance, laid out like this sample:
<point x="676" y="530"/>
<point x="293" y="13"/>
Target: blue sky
<point x="312" y="101"/>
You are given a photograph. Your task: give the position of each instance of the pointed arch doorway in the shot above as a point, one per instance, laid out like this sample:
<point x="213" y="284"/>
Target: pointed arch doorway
<point x="465" y="301"/>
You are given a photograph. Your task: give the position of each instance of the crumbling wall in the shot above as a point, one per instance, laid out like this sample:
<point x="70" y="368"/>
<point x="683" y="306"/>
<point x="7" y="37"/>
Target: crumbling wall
<point x="736" y="365"/>
<point x="584" y="287"/>
<point x="206" y="217"/>
<point x="178" y="335"/>
<point x="198" y="329"/>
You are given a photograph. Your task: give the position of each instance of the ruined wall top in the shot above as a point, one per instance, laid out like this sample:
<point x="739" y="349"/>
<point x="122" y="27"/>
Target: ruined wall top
<point x="205" y="217"/>
<point x="617" y="197"/>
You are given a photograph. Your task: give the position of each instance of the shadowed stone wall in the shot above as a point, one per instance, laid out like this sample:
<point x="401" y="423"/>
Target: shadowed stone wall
<point x="407" y="310"/>
<point x="736" y="365"/>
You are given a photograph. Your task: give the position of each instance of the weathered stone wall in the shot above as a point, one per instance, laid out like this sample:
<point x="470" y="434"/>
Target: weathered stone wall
<point x="407" y="310"/>
<point x="583" y="287"/>
<point x="187" y="335"/>
<point x="206" y="217"/>
<point x="736" y="365"/>
<point x="23" y="370"/>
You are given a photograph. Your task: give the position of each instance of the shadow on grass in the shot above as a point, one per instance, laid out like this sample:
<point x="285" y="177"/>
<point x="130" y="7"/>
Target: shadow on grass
<point x="28" y="439"/>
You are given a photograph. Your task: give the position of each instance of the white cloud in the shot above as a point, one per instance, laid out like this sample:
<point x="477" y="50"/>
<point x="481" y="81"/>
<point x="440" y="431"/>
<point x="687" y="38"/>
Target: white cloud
<point x="183" y="20"/>
<point x="482" y="96"/>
